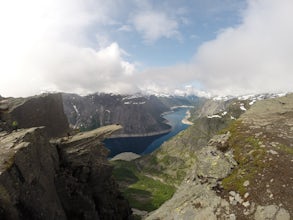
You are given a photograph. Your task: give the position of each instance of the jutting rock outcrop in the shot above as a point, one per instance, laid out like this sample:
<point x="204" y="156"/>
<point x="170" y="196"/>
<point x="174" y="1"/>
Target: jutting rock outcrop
<point x="245" y="172"/>
<point x="65" y="177"/>
<point x="43" y="110"/>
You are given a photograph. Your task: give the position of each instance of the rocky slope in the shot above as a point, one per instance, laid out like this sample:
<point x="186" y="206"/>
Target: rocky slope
<point x="54" y="178"/>
<point x="244" y="173"/>
<point x="69" y="178"/>
<point x="138" y="114"/>
<point x="43" y="110"/>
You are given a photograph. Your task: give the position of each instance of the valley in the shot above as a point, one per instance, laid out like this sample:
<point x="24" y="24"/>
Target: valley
<point x="233" y="161"/>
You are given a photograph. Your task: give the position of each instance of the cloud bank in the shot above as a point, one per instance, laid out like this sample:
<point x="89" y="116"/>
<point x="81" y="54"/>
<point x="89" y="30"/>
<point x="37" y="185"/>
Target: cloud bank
<point x="155" y="25"/>
<point x="45" y="46"/>
<point x="254" y="57"/>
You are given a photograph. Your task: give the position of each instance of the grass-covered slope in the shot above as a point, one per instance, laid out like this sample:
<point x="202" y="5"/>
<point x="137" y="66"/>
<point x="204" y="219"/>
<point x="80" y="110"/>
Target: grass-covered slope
<point x="143" y="192"/>
<point x="152" y="179"/>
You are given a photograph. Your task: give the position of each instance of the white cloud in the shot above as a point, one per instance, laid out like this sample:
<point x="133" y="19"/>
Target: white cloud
<point x="44" y="47"/>
<point x="155" y="25"/>
<point x="126" y="28"/>
<point x="254" y="57"/>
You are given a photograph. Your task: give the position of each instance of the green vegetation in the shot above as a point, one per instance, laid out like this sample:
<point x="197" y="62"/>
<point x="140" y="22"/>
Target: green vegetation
<point x="248" y="154"/>
<point x="286" y="149"/>
<point x="142" y="191"/>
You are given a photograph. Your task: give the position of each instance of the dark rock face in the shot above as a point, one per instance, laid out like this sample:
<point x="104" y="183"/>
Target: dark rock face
<point x="137" y="114"/>
<point x="85" y="183"/>
<point x="67" y="179"/>
<point x="245" y="173"/>
<point x="44" y="110"/>
<point x="28" y="167"/>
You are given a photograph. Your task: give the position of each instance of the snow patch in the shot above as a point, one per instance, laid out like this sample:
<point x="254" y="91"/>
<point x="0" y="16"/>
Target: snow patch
<point x="224" y="113"/>
<point x="76" y="110"/>
<point x="252" y="102"/>
<point x="134" y="103"/>
<point x="214" y="116"/>
<point x="242" y="107"/>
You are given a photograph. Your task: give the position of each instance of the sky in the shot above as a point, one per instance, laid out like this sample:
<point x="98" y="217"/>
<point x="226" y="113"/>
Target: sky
<point x="201" y="47"/>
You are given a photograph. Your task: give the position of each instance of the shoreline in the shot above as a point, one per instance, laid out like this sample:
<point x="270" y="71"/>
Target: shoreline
<point x="185" y="119"/>
<point x="141" y="135"/>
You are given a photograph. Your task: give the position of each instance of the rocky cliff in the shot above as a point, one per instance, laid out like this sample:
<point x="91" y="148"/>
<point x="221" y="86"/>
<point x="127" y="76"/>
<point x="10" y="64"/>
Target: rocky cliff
<point x="67" y="178"/>
<point x="60" y="178"/>
<point x="234" y="162"/>
<point x="43" y="110"/>
<point x="138" y="114"/>
<point x="243" y="173"/>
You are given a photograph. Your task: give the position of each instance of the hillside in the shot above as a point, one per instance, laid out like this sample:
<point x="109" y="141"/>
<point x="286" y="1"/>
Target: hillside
<point x="54" y="178"/>
<point x="234" y="162"/>
<point x="138" y="114"/>
<point x="245" y="173"/>
<point x="43" y="110"/>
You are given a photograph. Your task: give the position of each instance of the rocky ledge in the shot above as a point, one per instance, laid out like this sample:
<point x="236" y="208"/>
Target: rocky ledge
<point x="244" y="173"/>
<point x="65" y="178"/>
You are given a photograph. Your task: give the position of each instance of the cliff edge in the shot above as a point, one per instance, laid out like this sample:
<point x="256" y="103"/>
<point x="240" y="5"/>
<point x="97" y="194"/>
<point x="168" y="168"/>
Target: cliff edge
<point x="65" y="178"/>
<point x="42" y="110"/>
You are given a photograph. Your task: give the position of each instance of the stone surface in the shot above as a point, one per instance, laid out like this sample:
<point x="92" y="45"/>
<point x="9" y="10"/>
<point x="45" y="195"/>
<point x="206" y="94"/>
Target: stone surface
<point x="138" y="114"/>
<point x="195" y="198"/>
<point x="246" y="183"/>
<point x="28" y="168"/>
<point x="67" y="178"/>
<point x="43" y="110"/>
<point x="272" y="212"/>
<point x="126" y="156"/>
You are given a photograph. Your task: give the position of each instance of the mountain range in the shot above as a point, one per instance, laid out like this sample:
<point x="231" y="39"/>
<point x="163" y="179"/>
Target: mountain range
<point x="234" y="162"/>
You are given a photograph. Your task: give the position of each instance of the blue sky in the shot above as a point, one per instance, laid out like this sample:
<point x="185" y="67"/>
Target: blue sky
<point x="203" y="47"/>
<point x="196" y="22"/>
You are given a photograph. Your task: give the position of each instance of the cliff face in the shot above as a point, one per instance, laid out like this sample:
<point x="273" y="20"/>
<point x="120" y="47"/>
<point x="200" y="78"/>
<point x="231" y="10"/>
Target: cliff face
<point x="44" y="110"/>
<point x="84" y="182"/>
<point x="139" y="115"/>
<point x="28" y="168"/>
<point x="244" y="173"/>
<point x="69" y="178"/>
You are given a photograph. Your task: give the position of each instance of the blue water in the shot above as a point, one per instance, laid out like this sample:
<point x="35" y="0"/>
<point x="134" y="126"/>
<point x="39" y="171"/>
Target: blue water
<point x="174" y="119"/>
<point x="146" y="145"/>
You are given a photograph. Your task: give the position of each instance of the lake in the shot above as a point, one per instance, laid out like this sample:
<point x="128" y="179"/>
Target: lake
<point x="146" y="145"/>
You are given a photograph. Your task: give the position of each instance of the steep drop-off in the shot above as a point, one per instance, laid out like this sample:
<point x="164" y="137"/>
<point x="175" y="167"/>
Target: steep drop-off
<point x="139" y="115"/>
<point x="54" y="178"/>
<point x="243" y="173"/>
<point x="235" y="162"/>
<point x="43" y="110"/>
<point x="69" y="178"/>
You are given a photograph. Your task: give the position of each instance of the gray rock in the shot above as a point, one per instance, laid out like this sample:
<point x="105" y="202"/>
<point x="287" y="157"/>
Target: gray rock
<point x="246" y="204"/>
<point x="126" y="156"/>
<point x="39" y="182"/>
<point x="246" y="183"/>
<point x="232" y="217"/>
<point x="283" y="215"/>
<point x="246" y="195"/>
<point x="238" y="198"/>
<point x="213" y="163"/>
<point x="273" y="152"/>
<point x="197" y="200"/>
<point x="232" y="193"/>
<point x="192" y="201"/>
<point x="220" y="141"/>
<point x="271" y="212"/>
